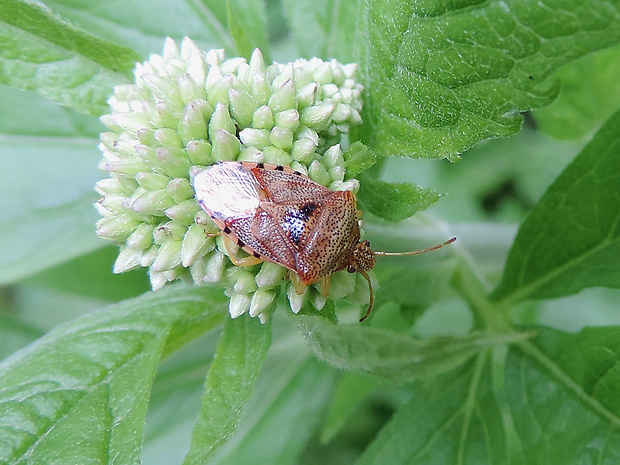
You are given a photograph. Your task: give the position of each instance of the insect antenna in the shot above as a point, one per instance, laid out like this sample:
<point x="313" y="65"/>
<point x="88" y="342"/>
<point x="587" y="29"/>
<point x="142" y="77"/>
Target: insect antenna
<point x="415" y="252"/>
<point x="385" y="254"/>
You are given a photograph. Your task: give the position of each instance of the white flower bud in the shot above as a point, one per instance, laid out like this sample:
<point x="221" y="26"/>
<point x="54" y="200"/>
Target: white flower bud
<point x="282" y="138"/>
<point x="296" y="301"/>
<point x="317" y="116"/>
<point x="141" y="238"/>
<point x="117" y="228"/>
<point x="225" y="146"/>
<point x="303" y="150"/>
<point x="244" y="282"/>
<point x="183" y="212"/>
<point x="149" y="256"/>
<point x="284" y="97"/>
<point x="199" y="152"/>
<point x="261" y="300"/>
<point x="251" y="154"/>
<point x="214" y="267"/>
<point x="318" y="173"/>
<point x="258" y="138"/>
<point x="242" y="107"/>
<point x="288" y="119"/>
<point x="221" y="120"/>
<point x="152" y="181"/>
<point x="173" y="162"/>
<point x="239" y="304"/>
<point x="180" y="189"/>
<point x="127" y="259"/>
<point x="277" y="156"/>
<point x="168" y="257"/>
<point x="270" y="275"/>
<point x="333" y="156"/>
<point x="263" y="118"/>
<point x="341" y="284"/>
<point x="195" y="245"/>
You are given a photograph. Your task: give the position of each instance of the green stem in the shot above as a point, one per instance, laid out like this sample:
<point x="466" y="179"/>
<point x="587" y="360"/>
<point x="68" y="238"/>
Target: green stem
<point x="475" y="291"/>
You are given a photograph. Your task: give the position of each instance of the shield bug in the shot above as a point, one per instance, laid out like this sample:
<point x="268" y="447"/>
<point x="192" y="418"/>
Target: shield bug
<point x="279" y="215"/>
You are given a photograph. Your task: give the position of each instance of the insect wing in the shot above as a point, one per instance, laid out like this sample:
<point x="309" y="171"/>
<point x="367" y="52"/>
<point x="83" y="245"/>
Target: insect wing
<point x="230" y="193"/>
<point x="335" y="232"/>
<point x="286" y="188"/>
<point x="321" y="224"/>
<point x="227" y="191"/>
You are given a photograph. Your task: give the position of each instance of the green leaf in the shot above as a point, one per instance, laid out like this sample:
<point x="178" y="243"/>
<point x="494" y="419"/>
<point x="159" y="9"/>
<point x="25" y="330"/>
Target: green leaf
<point x="90" y="275"/>
<point x="46" y="204"/>
<point x="358" y="158"/>
<point x="394" y="201"/>
<point x="283" y="415"/>
<point x="414" y="283"/>
<point x="571" y="240"/>
<point x="351" y="390"/>
<point x="501" y="180"/>
<point x="395" y="357"/>
<point x="175" y="400"/>
<point x="42" y="52"/>
<point x="549" y="401"/>
<point x="240" y="25"/>
<point x="214" y="13"/>
<point x="49" y="157"/>
<point x="27" y="114"/>
<point x="323" y="28"/>
<point x="238" y="359"/>
<point x="589" y="359"/>
<point x="418" y="281"/>
<point x="87" y="383"/>
<point x="441" y="76"/>
<point x="247" y="21"/>
<point x="589" y="95"/>
<point x="15" y="335"/>
<point x="143" y="27"/>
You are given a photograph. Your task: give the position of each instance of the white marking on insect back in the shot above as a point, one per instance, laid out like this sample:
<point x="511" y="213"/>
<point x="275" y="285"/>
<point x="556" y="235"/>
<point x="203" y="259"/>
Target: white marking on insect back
<point x="227" y="191"/>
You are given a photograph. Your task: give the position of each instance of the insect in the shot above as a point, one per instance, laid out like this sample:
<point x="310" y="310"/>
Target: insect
<point x="279" y="215"/>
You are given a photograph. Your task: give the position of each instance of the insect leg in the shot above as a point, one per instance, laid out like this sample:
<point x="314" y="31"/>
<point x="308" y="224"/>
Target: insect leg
<point x="325" y="280"/>
<point x="246" y="261"/>
<point x="372" y="300"/>
<point x="298" y="284"/>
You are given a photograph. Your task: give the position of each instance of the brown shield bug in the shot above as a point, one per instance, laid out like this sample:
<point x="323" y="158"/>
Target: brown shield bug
<point x="279" y="215"/>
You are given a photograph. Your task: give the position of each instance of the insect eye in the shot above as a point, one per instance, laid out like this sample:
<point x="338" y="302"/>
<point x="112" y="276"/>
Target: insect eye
<point x="367" y="243"/>
<point x="350" y="269"/>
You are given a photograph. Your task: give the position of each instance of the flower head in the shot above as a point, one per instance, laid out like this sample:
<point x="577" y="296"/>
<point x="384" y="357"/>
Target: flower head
<point x="189" y="109"/>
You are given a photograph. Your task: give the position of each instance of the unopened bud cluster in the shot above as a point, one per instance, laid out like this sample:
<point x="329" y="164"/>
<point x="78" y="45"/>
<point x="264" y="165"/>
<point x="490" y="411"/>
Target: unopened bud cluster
<point x="189" y="109"/>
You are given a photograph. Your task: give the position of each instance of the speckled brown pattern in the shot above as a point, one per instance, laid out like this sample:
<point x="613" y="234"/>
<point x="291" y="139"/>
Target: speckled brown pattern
<point x="280" y="215"/>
